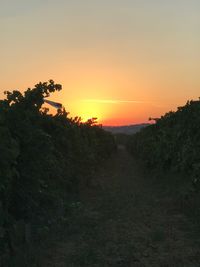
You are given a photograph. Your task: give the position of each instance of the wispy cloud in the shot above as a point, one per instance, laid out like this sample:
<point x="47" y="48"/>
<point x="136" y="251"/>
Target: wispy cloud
<point x="111" y="101"/>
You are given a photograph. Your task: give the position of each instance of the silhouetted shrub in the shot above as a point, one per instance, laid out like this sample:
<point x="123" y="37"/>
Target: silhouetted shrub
<point x="172" y="143"/>
<point x="43" y="158"/>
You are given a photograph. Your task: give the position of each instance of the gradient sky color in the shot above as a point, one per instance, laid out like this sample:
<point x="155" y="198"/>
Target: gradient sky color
<point x="120" y="61"/>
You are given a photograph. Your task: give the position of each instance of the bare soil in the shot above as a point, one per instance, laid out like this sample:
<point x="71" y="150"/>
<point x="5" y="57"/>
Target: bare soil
<point x="124" y="219"/>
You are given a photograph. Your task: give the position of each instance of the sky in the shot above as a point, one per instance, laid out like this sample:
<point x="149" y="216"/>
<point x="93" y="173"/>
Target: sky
<point x="119" y="61"/>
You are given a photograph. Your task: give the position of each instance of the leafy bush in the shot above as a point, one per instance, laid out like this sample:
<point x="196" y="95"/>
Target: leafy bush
<point x="172" y="143"/>
<point x="43" y="158"/>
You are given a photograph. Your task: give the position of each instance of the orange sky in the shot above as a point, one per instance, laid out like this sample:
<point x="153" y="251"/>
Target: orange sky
<point x="120" y="61"/>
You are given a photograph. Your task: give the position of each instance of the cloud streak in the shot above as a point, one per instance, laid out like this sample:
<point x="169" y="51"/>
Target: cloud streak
<point x="111" y="101"/>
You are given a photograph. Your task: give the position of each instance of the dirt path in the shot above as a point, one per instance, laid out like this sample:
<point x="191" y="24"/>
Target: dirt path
<point x="123" y="220"/>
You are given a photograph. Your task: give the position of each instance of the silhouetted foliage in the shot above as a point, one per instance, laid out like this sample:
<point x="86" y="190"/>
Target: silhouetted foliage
<point x="172" y="143"/>
<point x="43" y="158"/>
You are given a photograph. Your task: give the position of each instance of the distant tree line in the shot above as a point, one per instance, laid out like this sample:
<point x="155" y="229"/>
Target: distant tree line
<point x="43" y="159"/>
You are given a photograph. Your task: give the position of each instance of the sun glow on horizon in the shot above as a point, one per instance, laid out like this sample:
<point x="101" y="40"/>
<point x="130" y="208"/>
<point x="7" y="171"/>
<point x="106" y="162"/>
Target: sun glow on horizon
<point x="107" y="111"/>
<point x="111" y="111"/>
<point x="89" y="110"/>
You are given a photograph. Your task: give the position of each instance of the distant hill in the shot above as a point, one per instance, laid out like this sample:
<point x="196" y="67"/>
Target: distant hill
<point x="127" y="129"/>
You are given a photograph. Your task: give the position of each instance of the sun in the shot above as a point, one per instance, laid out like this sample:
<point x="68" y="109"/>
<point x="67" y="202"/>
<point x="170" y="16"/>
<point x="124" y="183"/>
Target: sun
<point x="87" y="110"/>
<point x="91" y="110"/>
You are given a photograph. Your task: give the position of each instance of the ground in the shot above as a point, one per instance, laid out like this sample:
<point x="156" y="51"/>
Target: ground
<point x="123" y="219"/>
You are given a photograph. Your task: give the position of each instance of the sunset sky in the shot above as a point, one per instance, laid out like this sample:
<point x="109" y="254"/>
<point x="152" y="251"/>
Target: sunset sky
<point x="120" y="61"/>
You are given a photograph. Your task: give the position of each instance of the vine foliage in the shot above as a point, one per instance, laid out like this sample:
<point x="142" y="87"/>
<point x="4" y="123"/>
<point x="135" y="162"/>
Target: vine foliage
<point x="43" y="160"/>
